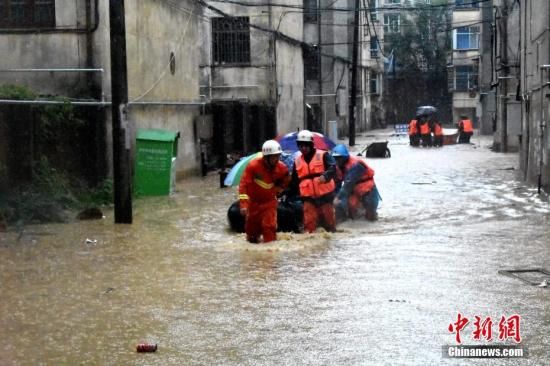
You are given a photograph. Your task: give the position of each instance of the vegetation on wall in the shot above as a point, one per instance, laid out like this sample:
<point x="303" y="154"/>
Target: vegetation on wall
<point x="48" y="141"/>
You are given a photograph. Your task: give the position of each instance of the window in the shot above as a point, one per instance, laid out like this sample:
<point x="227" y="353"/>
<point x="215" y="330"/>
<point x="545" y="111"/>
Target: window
<point x="391" y="23"/>
<point x="392" y="2"/>
<point x="231" y="40"/>
<point x="27" y="13"/>
<point x="463" y="78"/>
<point x="373" y="83"/>
<point x="310" y="11"/>
<point x="374" y="47"/>
<point x="373" y="4"/>
<point x="464" y="4"/>
<point x="467" y="38"/>
<point x="311" y="62"/>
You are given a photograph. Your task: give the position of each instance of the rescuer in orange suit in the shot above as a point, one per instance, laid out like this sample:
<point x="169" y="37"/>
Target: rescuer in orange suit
<point x="313" y="177"/>
<point x="414" y="135"/>
<point x="466" y="129"/>
<point x="356" y="179"/>
<point x="425" y="132"/>
<point x="437" y="131"/>
<point x="262" y="180"/>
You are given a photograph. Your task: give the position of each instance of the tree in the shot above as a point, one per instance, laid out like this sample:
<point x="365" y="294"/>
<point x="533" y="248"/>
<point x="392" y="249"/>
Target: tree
<point x="417" y="72"/>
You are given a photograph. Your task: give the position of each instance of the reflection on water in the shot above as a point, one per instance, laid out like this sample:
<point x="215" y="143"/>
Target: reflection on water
<point x="179" y="278"/>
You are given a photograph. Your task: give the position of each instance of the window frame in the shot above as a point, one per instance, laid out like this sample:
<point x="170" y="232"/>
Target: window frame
<point x="473" y="37"/>
<point x="389" y="26"/>
<point x="231" y="41"/>
<point x="30" y="11"/>
<point x="311" y="63"/>
<point x="466" y="79"/>
<point x="466" y="4"/>
<point x="373" y="83"/>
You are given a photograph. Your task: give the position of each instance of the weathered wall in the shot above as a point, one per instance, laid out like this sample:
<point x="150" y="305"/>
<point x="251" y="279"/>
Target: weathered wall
<point x="155" y="31"/>
<point x="535" y="51"/>
<point x="48" y="50"/>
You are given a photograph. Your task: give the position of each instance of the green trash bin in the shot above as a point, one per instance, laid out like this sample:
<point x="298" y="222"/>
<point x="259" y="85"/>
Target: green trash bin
<point x="156" y="151"/>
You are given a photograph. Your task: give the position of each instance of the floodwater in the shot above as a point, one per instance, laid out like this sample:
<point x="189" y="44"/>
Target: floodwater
<point x="380" y="293"/>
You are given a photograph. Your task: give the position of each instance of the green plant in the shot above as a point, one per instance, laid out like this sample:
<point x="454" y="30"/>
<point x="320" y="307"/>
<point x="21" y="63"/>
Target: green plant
<point x="18" y="92"/>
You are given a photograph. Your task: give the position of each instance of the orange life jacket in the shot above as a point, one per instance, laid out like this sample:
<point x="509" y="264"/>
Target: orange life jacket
<point x="425" y="129"/>
<point x="365" y="183"/>
<point x="308" y="175"/>
<point x="466" y="125"/>
<point x="438" y="131"/>
<point x="413" y="129"/>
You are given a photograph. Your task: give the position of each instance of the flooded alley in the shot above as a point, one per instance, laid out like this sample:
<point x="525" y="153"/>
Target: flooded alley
<point x="374" y="293"/>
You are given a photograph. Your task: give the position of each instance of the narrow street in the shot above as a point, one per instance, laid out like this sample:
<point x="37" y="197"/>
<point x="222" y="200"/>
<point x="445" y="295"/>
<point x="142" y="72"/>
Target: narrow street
<point x="381" y="293"/>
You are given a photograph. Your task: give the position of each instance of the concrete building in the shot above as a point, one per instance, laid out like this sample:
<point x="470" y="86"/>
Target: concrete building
<point x="251" y="75"/>
<point x="372" y="62"/>
<point x="463" y="67"/>
<point x="61" y="48"/>
<point x="506" y="76"/>
<point x="534" y="76"/>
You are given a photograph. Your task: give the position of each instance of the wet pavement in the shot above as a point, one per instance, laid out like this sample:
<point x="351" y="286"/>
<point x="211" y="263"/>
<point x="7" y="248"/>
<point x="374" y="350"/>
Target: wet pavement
<point x="381" y="293"/>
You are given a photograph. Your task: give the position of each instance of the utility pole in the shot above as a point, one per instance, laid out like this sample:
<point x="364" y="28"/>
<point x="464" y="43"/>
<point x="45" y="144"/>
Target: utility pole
<point x="354" y="74"/>
<point x="121" y="137"/>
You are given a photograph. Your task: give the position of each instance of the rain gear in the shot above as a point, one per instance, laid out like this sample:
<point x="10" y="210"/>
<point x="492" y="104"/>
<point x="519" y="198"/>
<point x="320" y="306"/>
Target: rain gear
<point x="466" y="129"/>
<point x="357" y="186"/>
<point x="317" y="196"/>
<point x="258" y="191"/>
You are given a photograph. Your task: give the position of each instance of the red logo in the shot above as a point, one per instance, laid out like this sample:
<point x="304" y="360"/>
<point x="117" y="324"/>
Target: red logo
<point x="483" y="328"/>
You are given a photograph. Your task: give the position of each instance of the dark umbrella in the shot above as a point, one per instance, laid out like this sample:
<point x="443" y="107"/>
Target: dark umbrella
<point x="425" y="110"/>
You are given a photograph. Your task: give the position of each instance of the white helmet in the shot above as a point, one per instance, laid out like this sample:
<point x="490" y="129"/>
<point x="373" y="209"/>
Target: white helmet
<point x="304" y="136"/>
<point x="271" y="147"/>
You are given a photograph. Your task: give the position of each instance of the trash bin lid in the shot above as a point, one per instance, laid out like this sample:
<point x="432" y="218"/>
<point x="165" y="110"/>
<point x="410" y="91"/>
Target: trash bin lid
<point x="156" y="135"/>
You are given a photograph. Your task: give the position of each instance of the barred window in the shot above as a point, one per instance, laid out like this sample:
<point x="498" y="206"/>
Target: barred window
<point x="27" y="13"/>
<point x="310" y="11"/>
<point x="231" y="40"/>
<point x="311" y="62"/>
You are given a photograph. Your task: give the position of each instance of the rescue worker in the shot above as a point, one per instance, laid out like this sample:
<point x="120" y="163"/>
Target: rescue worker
<point x="313" y="177"/>
<point x="466" y="130"/>
<point x="414" y="133"/>
<point x="262" y="180"/>
<point x="425" y="133"/>
<point x="357" y="186"/>
<point x="437" y="131"/>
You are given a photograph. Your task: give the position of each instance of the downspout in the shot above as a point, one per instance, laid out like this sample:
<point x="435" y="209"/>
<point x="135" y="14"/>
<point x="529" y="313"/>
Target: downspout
<point x="504" y="63"/>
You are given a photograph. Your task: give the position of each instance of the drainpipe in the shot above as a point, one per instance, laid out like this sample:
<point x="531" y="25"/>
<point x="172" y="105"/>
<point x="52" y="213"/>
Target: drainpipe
<point x="543" y="69"/>
<point x="504" y="62"/>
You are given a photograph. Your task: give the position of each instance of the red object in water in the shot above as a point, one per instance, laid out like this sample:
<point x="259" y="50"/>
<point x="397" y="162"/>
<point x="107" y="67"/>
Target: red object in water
<point x="146" y="347"/>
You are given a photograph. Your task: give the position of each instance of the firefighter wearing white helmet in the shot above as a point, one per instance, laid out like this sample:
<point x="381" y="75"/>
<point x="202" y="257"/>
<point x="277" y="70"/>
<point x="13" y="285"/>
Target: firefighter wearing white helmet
<point x="271" y="147"/>
<point x="262" y="180"/>
<point x="313" y="180"/>
<point x="304" y="136"/>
